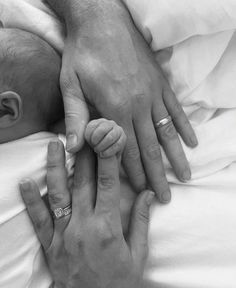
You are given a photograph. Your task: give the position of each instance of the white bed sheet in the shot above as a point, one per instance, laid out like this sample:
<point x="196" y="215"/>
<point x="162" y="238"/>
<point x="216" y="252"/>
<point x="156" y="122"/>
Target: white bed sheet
<point x="192" y="240"/>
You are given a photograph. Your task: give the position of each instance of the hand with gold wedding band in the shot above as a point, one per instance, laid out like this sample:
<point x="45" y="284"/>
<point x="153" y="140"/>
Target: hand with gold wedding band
<point x="83" y="242"/>
<point x="107" y="63"/>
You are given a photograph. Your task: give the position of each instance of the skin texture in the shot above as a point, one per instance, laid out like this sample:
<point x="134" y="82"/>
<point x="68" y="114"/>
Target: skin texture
<point x="88" y="249"/>
<point x="108" y="65"/>
<point x="106" y="137"/>
<point x="30" y="98"/>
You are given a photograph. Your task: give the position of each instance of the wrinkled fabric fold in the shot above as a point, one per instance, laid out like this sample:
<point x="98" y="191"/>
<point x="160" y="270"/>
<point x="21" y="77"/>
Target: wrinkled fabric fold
<point x="192" y="240"/>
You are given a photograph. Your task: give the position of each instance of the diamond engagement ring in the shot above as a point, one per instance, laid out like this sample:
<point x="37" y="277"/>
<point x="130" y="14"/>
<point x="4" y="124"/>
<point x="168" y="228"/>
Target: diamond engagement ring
<point x="163" y="122"/>
<point x="62" y="212"/>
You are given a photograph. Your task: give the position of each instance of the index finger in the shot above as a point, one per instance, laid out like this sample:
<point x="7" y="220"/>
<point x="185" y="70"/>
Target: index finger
<point x="84" y="184"/>
<point x="108" y="186"/>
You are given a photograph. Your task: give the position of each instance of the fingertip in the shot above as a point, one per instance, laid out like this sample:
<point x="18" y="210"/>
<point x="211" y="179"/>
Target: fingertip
<point x="25" y="185"/>
<point x="193" y="141"/>
<point x="74" y="143"/>
<point x="145" y="198"/>
<point x="165" y="197"/>
<point x="186" y="176"/>
<point x="149" y="197"/>
<point x="28" y="191"/>
<point x="53" y="147"/>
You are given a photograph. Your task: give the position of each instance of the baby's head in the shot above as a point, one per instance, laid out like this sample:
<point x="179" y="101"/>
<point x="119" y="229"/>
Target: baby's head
<point x="30" y="98"/>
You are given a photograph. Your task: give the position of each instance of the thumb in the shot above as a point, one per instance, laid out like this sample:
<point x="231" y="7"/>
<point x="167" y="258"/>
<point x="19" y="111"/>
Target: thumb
<point x="138" y="232"/>
<point x="76" y="111"/>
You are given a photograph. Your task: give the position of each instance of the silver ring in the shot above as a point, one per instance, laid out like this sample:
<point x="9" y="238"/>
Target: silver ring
<point x="163" y="122"/>
<point x="62" y="212"/>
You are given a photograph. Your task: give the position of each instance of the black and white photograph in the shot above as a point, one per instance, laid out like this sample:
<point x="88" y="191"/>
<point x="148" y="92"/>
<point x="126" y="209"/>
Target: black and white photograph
<point x="117" y="143"/>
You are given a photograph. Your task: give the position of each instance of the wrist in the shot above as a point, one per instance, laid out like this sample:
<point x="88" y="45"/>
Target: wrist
<point x="89" y="13"/>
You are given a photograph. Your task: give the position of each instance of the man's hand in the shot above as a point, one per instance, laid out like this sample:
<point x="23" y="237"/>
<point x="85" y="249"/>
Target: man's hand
<point x="107" y="64"/>
<point x="88" y="248"/>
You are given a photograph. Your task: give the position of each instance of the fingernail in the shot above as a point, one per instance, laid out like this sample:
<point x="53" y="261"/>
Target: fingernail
<point x="166" y="196"/>
<point x="71" y="141"/>
<point x="186" y="176"/>
<point x="194" y="141"/>
<point x="150" y="197"/>
<point x="53" y="146"/>
<point x="25" y="185"/>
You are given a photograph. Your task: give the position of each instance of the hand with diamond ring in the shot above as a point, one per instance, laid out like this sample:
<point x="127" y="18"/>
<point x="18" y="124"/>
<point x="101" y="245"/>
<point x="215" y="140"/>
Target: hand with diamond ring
<point x="84" y="242"/>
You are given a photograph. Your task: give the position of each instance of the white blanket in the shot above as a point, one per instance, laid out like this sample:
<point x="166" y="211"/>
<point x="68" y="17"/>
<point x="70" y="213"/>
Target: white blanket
<point x="192" y="240"/>
<point x="22" y="262"/>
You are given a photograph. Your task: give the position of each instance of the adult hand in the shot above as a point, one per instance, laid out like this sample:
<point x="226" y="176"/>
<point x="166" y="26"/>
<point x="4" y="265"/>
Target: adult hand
<point x="87" y="248"/>
<point x="107" y="63"/>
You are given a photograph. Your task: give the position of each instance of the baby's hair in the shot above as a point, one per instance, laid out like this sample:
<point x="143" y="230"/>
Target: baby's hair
<point x="30" y="67"/>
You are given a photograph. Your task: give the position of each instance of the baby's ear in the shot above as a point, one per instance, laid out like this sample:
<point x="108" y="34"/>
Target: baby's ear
<point x="11" y="109"/>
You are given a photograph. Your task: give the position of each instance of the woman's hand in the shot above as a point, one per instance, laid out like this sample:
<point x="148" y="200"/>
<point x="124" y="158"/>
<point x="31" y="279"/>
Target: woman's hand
<point x="87" y="248"/>
<point x="107" y="64"/>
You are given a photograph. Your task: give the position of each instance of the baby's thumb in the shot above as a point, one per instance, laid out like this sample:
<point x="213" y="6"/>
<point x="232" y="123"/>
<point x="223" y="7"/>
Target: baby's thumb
<point x="138" y="233"/>
<point x="76" y="112"/>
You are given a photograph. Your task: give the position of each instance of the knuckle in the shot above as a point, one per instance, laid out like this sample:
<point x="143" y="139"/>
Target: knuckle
<point x="65" y="81"/>
<point x="112" y="123"/>
<point x="153" y="151"/>
<point x="99" y="131"/>
<point x="81" y="181"/>
<point x="52" y="164"/>
<point x="161" y="184"/>
<point x="168" y="131"/>
<point x="177" y="109"/>
<point x="106" y="181"/>
<point x="142" y="216"/>
<point x="30" y="200"/>
<point x="140" y="99"/>
<point x="132" y="152"/>
<point x="139" y="173"/>
<point x="117" y="146"/>
<point x="121" y="106"/>
<point x="111" y="151"/>
<point x="80" y="243"/>
<point x="110" y="137"/>
<point x="74" y="242"/>
<point x="55" y="197"/>
<point x="106" y="233"/>
<point x="41" y="221"/>
<point x="186" y="123"/>
<point x="92" y="125"/>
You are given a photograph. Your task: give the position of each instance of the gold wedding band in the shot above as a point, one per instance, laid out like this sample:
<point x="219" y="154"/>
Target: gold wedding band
<point x="163" y="122"/>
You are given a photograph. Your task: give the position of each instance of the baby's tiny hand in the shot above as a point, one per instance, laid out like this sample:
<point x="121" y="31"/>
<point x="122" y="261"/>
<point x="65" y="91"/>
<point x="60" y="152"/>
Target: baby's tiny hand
<point x="105" y="137"/>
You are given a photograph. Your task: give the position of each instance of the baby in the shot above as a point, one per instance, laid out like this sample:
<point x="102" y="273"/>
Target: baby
<point x="30" y="103"/>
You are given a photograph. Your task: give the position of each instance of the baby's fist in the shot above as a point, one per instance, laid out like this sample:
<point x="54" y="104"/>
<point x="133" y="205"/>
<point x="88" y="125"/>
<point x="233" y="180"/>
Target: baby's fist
<point x="105" y="137"/>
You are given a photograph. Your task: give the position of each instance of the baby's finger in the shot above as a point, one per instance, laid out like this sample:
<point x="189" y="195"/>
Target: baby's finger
<point x="38" y="212"/>
<point x="116" y="148"/>
<point x="92" y="125"/>
<point x="110" y="138"/>
<point x="100" y="132"/>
